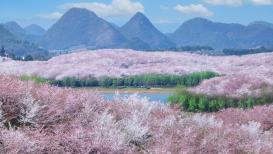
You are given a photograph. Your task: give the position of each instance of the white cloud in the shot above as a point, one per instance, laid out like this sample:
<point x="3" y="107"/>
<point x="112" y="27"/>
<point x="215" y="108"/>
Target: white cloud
<point x="115" y="8"/>
<point x="50" y="16"/>
<point x="262" y="2"/>
<point x="225" y="2"/>
<point x="239" y="2"/>
<point x="193" y="9"/>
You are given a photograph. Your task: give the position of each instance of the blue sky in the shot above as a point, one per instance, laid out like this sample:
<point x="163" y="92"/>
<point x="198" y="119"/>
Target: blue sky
<point x="167" y="15"/>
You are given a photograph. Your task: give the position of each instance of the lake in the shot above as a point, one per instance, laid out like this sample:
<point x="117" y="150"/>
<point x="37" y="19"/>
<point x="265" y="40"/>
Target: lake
<point x="153" y="94"/>
<point x="159" y="97"/>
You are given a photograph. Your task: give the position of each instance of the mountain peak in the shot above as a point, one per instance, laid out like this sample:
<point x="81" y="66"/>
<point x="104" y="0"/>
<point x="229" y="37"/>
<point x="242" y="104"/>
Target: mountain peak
<point x="140" y="14"/>
<point x="81" y="27"/>
<point x="139" y="26"/>
<point x="198" y="20"/>
<point x="139" y="17"/>
<point x="139" y="21"/>
<point x="34" y="29"/>
<point x="80" y="11"/>
<point x="14" y="27"/>
<point x="33" y="26"/>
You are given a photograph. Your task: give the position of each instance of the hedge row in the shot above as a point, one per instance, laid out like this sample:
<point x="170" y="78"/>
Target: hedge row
<point x="192" y="102"/>
<point x="146" y="80"/>
<point x="157" y="80"/>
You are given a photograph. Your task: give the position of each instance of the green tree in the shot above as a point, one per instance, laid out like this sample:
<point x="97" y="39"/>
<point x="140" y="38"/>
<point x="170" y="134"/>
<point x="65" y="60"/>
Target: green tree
<point x="203" y="104"/>
<point x="28" y="58"/>
<point x="221" y="103"/>
<point x="250" y="102"/>
<point x="241" y="103"/>
<point x="183" y="100"/>
<point x="213" y="106"/>
<point x="12" y="56"/>
<point x="106" y="82"/>
<point x="3" y="52"/>
<point x="192" y="104"/>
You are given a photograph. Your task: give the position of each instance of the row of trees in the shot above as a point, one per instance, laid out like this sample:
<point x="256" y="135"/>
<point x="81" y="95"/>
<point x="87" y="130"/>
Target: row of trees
<point x="193" y="48"/>
<point x="75" y="82"/>
<point x="186" y="48"/>
<point x="3" y="53"/>
<point x="192" y="102"/>
<point x="245" y="51"/>
<point x="147" y="80"/>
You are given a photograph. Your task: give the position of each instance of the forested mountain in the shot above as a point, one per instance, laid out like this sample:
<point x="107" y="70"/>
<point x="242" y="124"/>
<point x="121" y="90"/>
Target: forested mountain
<point x="140" y="27"/>
<point x="80" y="27"/>
<point x="199" y="31"/>
<point x="16" y="46"/>
<point x="34" y="29"/>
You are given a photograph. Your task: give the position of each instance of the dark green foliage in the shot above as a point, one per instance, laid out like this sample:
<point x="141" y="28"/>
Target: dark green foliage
<point x="203" y="105"/>
<point x="192" y="48"/>
<point x="38" y="80"/>
<point x="157" y="80"/>
<point x="250" y="102"/>
<point x="240" y="52"/>
<point x="3" y="52"/>
<point x="74" y="82"/>
<point x="143" y="81"/>
<point x="149" y="80"/>
<point x="28" y="58"/>
<point x="192" y="102"/>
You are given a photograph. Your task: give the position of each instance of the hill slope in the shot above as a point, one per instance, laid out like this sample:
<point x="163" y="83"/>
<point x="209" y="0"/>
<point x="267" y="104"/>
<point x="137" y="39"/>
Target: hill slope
<point x="80" y="27"/>
<point x="199" y="31"/>
<point x="5" y="34"/>
<point x="140" y="27"/>
<point x="34" y="30"/>
<point x="15" y="29"/>
<point x="31" y="33"/>
<point x="15" y="46"/>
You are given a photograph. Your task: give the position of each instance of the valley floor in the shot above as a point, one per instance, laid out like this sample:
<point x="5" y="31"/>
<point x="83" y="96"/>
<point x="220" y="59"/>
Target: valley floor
<point x="46" y="119"/>
<point x="40" y="118"/>
<point x="240" y="74"/>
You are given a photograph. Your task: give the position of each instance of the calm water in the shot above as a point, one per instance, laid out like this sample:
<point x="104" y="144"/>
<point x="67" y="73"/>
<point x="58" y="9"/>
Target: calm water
<point x="159" y="97"/>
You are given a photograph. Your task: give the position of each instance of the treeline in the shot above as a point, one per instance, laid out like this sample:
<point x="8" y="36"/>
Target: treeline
<point x="146" y="80"/>
<point x="36" y="79"/>
<point x="240" y="52"/>
<point x="28" y="57"/>
<point x="186" y="48"/>
<point x="192" y="102"/>
<point x="192" y="48"/>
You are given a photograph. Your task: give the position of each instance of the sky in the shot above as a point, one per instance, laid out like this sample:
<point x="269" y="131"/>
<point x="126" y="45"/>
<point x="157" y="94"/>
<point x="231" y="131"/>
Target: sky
<point x="166" y="15"/>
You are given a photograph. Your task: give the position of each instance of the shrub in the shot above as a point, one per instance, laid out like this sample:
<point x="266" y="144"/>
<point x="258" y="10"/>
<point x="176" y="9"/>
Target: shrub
<point x="190" y="101"/>
<point x="80" y="122"/>
<point x="36" y="79"/>
<point x="29" y="110"/>
<point x="1" y="116"/>
<point x="145" y="80"/>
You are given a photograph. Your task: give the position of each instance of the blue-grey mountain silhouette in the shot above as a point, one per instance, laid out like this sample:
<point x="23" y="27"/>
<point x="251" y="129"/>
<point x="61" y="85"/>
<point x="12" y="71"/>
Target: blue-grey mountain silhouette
<point x="81" y="27"/>
<point x="199" y="31"/>
<point x="140" y="27"/>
